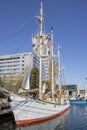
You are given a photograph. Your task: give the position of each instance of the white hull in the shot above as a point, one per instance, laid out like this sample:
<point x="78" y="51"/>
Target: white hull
<point x="29" y="111"/>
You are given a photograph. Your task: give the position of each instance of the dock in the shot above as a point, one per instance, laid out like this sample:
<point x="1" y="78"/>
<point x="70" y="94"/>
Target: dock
<point x="5" y="110"/>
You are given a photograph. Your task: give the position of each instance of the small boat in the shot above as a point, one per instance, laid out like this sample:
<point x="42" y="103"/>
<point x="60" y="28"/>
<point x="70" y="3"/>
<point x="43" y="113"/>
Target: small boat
<point x="27" y="110"/>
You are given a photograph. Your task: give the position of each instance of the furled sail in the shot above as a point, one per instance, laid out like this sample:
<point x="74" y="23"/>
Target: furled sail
<point x="25" y="83"/>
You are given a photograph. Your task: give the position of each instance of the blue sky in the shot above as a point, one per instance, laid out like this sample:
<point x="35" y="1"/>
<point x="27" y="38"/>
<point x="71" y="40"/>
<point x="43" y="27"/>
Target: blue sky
<point x="69" y="20"/>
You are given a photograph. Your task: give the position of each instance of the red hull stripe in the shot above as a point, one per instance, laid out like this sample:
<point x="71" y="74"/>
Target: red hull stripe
<point x="41" y="119"/>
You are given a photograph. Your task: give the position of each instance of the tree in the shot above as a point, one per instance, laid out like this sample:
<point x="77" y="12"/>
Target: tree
<point x="1" y="84"/>
<point x="34" y="78"/>
<point x="8" y="82"/>
<point x="18" y="82"/>
<point x="12" y="83"/>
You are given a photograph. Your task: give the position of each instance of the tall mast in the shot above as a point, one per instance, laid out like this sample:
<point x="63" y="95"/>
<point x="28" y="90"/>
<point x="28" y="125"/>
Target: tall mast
<point x="59" y="69"/>
<point x="40" y="36"/>
<point x="52" y="65"/>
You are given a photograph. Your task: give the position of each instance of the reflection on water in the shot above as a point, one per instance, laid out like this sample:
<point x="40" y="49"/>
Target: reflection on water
<point x="74" y="119"/>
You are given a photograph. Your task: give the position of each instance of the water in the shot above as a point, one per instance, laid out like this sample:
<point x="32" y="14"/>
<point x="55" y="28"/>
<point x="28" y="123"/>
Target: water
<point x="74" y="119"/>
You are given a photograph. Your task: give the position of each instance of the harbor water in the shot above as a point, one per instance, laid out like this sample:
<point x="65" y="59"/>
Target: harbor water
<point x="74" y="119"/>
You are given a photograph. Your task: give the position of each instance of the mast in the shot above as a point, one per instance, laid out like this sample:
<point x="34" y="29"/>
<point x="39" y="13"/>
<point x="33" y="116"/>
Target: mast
<point x="40" y="18"/>
<point x="59" y="68"/>
<point x="52" y="87"/>
<point x="40" y="36"/>
<point x="40" y="42"/>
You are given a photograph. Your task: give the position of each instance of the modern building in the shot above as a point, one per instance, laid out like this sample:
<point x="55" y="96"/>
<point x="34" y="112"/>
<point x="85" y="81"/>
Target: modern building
<point x="15" y="63"/>
<point x="83" y="93"/>
<point x="71" y="90"/>
<point x="36" y="62"/>
<point x="44" y="61"/>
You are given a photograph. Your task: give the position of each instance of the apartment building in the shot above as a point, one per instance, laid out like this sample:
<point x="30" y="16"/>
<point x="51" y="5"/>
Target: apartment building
<point x="15" y="63"/>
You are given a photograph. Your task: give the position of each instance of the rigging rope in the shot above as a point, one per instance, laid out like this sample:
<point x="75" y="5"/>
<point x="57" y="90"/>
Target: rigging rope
<point x="12" y="33"/>
<point x="15" y="47"/>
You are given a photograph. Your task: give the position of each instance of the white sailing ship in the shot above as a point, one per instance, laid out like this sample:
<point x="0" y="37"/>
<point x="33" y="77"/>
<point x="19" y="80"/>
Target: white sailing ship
<point x="27" y="110"/>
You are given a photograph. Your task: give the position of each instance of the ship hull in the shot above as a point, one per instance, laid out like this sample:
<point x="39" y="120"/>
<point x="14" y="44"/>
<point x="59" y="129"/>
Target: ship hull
<point x="29" y="111"/>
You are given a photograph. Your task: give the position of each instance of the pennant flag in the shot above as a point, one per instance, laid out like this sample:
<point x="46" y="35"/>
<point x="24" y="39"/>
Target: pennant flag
<point x="48" y="42"/>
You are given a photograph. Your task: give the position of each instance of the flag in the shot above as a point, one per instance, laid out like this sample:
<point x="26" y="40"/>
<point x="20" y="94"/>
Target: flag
<point x="48" y="42"/>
